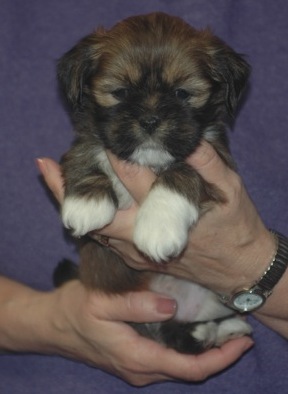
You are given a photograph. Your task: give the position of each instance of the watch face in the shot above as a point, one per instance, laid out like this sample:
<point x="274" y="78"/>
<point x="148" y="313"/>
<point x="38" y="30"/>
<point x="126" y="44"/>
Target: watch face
<point x="247" y="301"/>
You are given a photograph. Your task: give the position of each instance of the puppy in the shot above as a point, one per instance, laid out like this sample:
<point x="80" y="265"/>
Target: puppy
<point x="150" y="90"/>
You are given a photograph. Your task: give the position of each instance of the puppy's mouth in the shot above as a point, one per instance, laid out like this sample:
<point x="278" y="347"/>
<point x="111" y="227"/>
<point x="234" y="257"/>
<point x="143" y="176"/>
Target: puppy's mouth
<point x="152" y="154"/>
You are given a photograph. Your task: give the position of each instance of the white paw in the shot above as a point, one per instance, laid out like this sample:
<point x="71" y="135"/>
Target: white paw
<point x="163" y="223"/>
<point x="205" y="333"/>
<point x="232" y="328"/>
<point x="82" y="215"/>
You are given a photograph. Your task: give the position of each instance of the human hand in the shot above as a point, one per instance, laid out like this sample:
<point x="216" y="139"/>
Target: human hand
<point x="143" y="361"/>
<point x="228" y="249"/>
<point x="90" y="328"/>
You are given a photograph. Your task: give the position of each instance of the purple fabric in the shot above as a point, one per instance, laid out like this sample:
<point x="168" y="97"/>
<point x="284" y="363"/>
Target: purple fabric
<point x="34" y="34"/>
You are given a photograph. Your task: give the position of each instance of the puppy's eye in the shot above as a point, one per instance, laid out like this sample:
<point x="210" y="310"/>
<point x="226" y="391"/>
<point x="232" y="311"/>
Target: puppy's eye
<point x="121" y="93"/>
<point x="182" y="94"/>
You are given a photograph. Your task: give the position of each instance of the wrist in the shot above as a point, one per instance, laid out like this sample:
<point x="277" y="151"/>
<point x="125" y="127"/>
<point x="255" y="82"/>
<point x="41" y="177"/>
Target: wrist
<point x="22" y="320"/>
<point x="30" y="320"/>
<point x="254" y="258"/>
<point x="64" y="331"/>
<point x="254" y="296"/>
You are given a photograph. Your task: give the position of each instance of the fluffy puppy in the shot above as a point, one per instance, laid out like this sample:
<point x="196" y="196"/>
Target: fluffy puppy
<point x="150" y="89"/>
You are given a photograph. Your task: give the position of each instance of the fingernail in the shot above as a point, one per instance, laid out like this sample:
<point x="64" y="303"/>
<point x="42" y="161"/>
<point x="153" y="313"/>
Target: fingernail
<point x="166" y="306"/>
<point x="40" y="163"/>
<point x="248" y="344"/>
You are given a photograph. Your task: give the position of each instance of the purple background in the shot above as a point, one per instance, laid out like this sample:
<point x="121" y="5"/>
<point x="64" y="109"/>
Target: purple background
<point x="34" y="34"/>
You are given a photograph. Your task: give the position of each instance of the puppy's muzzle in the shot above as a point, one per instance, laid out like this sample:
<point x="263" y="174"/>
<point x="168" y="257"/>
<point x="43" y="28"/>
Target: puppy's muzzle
<point x="149" y="123"/>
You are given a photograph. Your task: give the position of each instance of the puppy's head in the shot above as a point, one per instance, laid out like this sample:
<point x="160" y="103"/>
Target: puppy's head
<point x="151" y="87"/>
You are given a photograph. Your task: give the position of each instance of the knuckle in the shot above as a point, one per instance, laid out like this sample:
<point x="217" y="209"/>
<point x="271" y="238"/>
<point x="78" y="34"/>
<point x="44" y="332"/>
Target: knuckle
<point x="236" y="185"/>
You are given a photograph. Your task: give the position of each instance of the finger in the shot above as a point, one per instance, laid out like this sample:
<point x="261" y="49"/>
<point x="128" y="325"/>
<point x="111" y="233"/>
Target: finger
<point x="216" y="360"/>
<point x="52" y="175"/>
<point x="198" y="368"/>
<point x="122" y="225"/>
<point x="140" y="307"/>
<point x="137" y="179"/>
<point x="210" y="166"/>
<point x="173" y="365"/>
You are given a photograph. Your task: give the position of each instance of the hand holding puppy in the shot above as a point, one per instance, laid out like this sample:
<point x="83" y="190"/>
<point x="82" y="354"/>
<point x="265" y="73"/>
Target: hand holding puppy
<point x="157" y="363"/>
<point x="217" y="256"/>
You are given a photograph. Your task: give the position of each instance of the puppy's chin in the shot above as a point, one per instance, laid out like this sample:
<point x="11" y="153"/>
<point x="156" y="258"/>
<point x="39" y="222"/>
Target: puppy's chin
<point x="153" y="157"/>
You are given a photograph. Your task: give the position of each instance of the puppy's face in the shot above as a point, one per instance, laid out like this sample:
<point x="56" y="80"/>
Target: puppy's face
<point x="151" y="87"/>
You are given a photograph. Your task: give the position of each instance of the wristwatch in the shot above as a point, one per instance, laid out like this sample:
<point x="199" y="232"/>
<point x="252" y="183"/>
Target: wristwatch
<point x="248" y="300"/>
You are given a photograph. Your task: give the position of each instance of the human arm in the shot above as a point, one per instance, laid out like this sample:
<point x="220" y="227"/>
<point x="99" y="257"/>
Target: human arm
<point x="88" y="327"/>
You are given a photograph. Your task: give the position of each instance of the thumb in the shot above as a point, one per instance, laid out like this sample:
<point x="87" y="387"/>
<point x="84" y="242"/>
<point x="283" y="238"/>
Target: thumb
<point x="51" y="172"/>
<point x="139" y="307"/>
<point x="209" y="165"/>
<point x="137" y="179"/>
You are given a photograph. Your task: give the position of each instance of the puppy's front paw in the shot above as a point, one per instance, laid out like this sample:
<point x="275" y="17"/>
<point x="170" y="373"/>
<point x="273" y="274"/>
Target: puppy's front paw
<point x="82" y="215"/>
<point x="162" y="224"/>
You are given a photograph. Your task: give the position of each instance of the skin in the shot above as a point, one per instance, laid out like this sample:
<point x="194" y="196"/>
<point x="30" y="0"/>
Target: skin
<point x="89" y="326"/>
<point x="240" y="246"/>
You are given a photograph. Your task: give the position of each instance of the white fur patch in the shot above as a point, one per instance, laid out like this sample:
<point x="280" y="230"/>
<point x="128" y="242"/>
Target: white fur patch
<point x="198" y="304"/>
<point x="215" y="334"/>
<point x="124" y="198"/>
<point x="152" y="155"/>
<point x="211" y="135"/>
<point x="232" y="328"/>
<point x="162" y="224"/>
<point x="212" y="308"/>
<point x="82" y="215"/>
<point x="195" y="303"/>
<point x="206" y="333"/>
<point x="189" y="296"/>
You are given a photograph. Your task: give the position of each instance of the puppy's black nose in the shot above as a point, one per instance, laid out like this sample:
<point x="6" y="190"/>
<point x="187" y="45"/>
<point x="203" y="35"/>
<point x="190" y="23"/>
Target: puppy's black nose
<point x="149" y="123"/>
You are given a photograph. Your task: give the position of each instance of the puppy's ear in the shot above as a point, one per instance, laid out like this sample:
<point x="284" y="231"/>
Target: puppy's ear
<point x="232" y="70"/>
<point x="77" y="66"/>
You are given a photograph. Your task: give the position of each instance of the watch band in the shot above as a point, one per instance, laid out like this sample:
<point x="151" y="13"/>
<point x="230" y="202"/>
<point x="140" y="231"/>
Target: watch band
<point x="278" y="265"/>
<point x="265" y="285"/>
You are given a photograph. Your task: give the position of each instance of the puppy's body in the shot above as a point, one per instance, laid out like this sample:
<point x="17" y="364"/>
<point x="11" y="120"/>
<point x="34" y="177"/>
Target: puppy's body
<point x="150" y="89"/>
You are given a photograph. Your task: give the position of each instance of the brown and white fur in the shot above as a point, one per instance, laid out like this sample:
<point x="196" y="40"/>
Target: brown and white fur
<point x="149" y="90"/>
